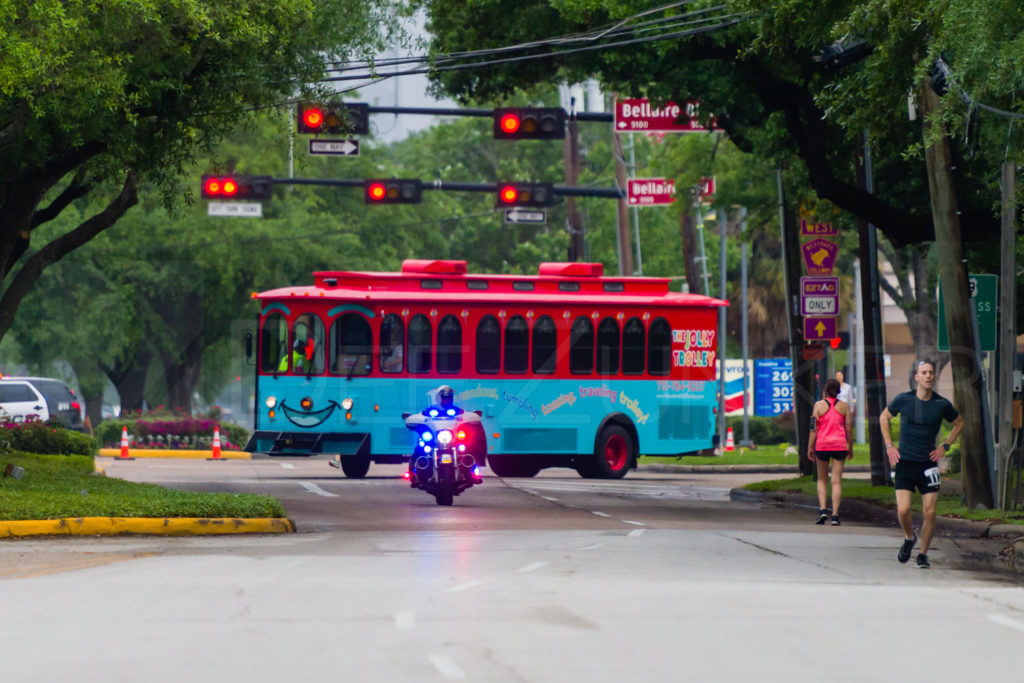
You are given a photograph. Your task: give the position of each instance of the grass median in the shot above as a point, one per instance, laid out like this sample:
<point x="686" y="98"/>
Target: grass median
<point x="61" y="486"/>
<point x="949" y="504"/>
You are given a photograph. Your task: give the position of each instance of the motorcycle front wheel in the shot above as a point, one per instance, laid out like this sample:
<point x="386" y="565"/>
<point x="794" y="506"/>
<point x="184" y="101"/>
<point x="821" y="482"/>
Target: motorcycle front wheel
<point x="445" y="485"/>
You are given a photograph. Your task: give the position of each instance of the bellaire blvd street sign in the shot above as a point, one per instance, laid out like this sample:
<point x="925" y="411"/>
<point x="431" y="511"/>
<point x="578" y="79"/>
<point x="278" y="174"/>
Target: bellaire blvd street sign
<point x="521" y="215"/>
<point x="650" y="191"/>
<point x="639" y="115"/>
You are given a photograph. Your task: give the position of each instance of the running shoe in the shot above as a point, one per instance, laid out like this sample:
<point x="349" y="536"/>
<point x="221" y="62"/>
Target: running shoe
<point x="922" y="561"/>
<point x="334" y="462"/>
<point x="835" y="520"/>
<point x="822" y="516"/>
<point x="905" y="549"/>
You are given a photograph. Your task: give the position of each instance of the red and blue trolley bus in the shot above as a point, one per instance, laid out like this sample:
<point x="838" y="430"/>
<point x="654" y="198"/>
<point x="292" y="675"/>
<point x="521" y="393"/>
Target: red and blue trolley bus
<point x="568" y="367"/>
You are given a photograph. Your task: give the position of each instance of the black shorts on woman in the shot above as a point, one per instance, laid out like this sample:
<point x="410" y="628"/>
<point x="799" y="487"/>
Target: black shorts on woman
<point x="830" y="455"/>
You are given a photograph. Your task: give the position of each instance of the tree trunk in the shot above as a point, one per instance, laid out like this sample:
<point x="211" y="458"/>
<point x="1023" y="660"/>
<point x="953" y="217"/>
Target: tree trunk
<point x="182" y="375"/>
<point x="129" y="379"/>
<point x="803" y="370"/>
<point x="953" y="273"/>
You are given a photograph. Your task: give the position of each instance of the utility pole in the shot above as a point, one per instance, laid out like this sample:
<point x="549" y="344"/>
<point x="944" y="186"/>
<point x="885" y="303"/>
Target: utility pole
<point x="967" y="373"/>
<point x="688" y="230"/>
<point x="874" y="363"/>
<point x="1007" y="331"/>
<point x="744" y="325"/>
<point x="624" y="243"/>
<point x="722" y="222"/>
<point x="803" y="371"/>
<point x="571" y="153"/>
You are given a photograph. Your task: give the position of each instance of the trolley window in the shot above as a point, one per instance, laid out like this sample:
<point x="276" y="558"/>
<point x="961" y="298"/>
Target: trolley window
<point x="392" y="344"/>
<point x="581" y="346"/>
<point x="633" y="343"/>
<point x="545" y="345"/>
<point x="419" y="344"/>
<point x="488" y="345"/>
<point x="659" y="347"/>
<point x="608" y="347"/>
<point x="273" y="342"/>
<point x="517" y="345"/>
<point x="449" y="345"/>
<point x="351" y="345"/>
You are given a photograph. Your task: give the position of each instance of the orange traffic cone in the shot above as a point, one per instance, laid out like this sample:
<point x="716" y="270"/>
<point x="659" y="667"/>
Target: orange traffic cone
<point x="124" y="445"/>
<point x="730" y="445"/>
<point x="216" y="443"/>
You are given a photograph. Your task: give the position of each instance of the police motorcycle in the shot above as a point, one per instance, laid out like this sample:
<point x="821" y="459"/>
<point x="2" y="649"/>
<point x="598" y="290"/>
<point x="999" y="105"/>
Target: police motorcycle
<point x="450" y="448"/>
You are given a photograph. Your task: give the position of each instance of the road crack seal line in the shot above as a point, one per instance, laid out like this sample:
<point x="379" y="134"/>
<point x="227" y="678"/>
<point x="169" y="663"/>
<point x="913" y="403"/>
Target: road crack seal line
<point x="790" y="557"/>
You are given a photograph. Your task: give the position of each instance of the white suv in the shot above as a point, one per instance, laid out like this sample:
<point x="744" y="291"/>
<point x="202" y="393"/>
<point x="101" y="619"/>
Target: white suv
<point x="19" y="401"/>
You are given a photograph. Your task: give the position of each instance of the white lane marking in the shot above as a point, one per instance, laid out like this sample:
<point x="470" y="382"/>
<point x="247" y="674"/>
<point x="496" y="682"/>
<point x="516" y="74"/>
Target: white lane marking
<point x="405" y="620"/>
<point x="447" y="667"/>
<point x="313" y="488"/>
<point x="553" y="500"/>
<point x="1006" y="621"/>
<point x="464" y="586"/>
<point x="592" y="546"/>
<point x="634" y="523"/>
<point x="288" y="466"/>
<point x="636" y="532"/>
<point x="531" y="567"/>
<point x="599" y="514"/>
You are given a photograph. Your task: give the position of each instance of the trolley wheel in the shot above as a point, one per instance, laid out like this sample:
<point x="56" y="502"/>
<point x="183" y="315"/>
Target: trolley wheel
<point x="614" y="453"/>
<point x="355" y="467"/>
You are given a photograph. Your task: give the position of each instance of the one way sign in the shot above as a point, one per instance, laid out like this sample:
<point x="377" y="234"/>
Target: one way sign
<point x="342" y="148"/>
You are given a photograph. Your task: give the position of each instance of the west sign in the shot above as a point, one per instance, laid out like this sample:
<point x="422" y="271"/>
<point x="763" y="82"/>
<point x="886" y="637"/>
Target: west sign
<point x="650" y="191"/>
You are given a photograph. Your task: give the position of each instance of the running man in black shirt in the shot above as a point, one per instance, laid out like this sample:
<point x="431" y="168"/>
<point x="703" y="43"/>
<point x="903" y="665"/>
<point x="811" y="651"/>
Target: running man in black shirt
<point x="916" y="460"/>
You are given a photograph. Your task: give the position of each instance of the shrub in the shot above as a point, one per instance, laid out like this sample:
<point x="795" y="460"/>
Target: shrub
<point x="108" y="432"/>
<point x="46" y="439"/>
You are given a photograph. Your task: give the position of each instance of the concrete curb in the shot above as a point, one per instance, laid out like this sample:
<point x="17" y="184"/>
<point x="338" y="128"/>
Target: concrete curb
<point x="166" y="526"/>
<point x="860" y="509"/>
<point x="173" y="453"/>
<point x="733" y="469"/>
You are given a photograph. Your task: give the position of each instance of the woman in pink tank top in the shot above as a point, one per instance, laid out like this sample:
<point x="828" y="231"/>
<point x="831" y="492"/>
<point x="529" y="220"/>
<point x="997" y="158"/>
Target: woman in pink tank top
<point x="831" y="440"/>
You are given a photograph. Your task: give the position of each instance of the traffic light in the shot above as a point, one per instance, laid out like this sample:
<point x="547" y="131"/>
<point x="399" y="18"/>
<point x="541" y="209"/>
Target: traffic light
<point x="334" y="118"/>
<point x="525" y="194"/>
<point x="840" y="342"/>
<point x="253" y="188"/>
<point x="393" y="191"/>
<point x="527" y="123"/>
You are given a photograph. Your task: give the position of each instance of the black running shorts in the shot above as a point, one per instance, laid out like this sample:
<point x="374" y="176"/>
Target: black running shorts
<point x="911" y="475"/>
<point x="833" y="455"/>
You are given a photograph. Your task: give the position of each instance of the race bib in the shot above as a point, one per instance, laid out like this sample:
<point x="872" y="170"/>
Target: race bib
<point x="932" y="475"/>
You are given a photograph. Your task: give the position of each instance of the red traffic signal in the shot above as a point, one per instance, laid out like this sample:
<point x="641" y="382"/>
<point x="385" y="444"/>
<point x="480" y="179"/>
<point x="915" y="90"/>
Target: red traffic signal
<point x="255" y="188"/>
<point x="840" y="342"/>
<point x="529" y="123"/>
<point x="333" y="118"/>
<point x="525" y="194"/>
<point x="393" y="191"/>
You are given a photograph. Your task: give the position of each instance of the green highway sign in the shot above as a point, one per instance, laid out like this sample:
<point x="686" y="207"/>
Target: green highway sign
<point x="983" y="294"/>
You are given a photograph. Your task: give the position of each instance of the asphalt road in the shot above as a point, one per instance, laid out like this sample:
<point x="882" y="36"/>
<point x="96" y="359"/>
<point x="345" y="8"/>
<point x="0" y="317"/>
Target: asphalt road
<point x="655" y="577"/>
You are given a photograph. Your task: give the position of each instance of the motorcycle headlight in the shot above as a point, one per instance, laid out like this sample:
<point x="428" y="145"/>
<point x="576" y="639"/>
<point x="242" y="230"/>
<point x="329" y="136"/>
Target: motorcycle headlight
<point x="444" y="437"/>
<point x="271" y="401"/>
<point x="346" y="403"/>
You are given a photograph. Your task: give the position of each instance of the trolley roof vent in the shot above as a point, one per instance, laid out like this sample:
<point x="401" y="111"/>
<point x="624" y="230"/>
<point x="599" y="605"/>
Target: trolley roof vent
<point x="434" y="267"/>
<point x="572" y="269"/>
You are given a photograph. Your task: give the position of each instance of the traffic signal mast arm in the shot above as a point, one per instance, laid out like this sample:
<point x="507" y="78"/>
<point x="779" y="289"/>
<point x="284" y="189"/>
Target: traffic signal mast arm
<point x="562" y="190"/>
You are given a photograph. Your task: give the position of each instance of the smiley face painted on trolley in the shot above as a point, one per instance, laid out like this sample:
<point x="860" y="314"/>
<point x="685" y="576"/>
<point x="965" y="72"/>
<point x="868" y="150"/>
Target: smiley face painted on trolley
<point x="305" y="415"/>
